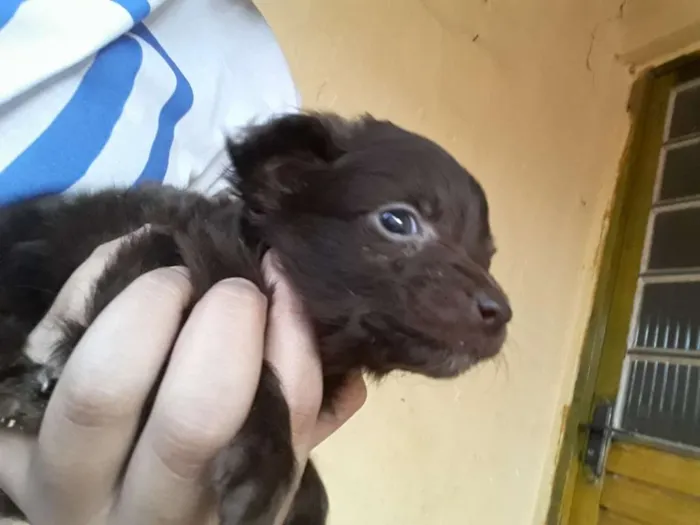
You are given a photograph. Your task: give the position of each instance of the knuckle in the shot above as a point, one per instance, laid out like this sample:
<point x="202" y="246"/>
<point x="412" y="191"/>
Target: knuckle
<point x="106" y="251"/>
<point x="302" y="384"/>
<point x="234" y="297"/>
<point x="238" y="290"/>
<point x="87" y="404"/>
<point x="72" y="297"/>
<point x="302" y="423"/>
<point x="304" y="407"/>
<point x="304" y="398"/>
<point x="170" y="284"/>
<point x="185" y="445"/>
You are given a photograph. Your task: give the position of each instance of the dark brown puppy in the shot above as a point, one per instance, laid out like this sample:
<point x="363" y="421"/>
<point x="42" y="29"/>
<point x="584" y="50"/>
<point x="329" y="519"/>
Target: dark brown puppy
<point x="383" y="234"/>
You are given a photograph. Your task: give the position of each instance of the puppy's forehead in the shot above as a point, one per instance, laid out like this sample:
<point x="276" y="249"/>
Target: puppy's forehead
<point x="406" y="167"/>
<point x="390" y="164"/>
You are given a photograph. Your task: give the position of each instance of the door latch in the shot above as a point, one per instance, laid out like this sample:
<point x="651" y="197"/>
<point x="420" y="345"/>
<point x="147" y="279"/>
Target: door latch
<point x="599" y="432"/>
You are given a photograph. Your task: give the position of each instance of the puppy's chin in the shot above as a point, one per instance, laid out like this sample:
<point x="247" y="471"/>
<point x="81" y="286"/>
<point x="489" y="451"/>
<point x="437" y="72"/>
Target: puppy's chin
<point x="452" y="363"/>
<point x="491" y="345"/>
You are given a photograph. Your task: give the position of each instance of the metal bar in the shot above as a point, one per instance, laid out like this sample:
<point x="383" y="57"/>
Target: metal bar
<point x="685" y="86"/>
<point x="646" y="335"/>
<point x="658" y="355"/>
<point x="683" y="138"/>
<point x="686" y="392"/>
<point x="675" y="277"/>
<point x="681" y="142"/>
<point x="679" y="202"/>
<point x="697" y="387"/>
<point x="663" y="444"/>
<point x="674" y="392"/>
<point x="670" y="111"/>
<point x="687" y="369"/>
<point x="626" y="389"/>
<point x="654" y="373"/>
<point x="666" y="272"/>
<point x="662" y="397"/>
<point x="663" y="353"/>
<point x="688" y="203"/>
<point x="641" y="387"/>
<point x="629" y="387"/>
<point x="697" y="403"/>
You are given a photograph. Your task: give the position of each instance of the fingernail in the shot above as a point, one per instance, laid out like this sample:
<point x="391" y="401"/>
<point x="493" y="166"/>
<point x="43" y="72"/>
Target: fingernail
<point x="240" y="283"/>
<point x="181" y="270"/>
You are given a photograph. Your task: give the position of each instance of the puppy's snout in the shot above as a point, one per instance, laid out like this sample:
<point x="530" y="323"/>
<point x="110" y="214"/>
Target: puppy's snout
<point x="495" y="311"/>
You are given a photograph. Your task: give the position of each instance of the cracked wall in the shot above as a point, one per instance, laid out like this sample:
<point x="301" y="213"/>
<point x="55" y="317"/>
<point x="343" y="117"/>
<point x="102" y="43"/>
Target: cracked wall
<point x="531" y="97"/>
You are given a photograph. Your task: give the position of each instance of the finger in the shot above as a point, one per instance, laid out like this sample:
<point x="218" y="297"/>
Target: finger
<point x="71" y="301"/>
<point x="291" y="351"/>
<point x="350" y="399"/>
<point x="204" y="398"/>
<point x="15" y="456"/>
<point x="93" y="413"/>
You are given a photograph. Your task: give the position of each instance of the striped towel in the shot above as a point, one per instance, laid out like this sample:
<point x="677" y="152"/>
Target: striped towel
<point x="105" y="93"/>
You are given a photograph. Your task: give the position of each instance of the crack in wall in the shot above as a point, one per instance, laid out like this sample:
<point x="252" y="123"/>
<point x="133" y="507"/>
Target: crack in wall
<point x="619" y="15"/>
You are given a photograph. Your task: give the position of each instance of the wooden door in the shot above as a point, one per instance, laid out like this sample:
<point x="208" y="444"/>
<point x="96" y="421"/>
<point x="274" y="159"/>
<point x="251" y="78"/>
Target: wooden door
<point x="642" y="352"/>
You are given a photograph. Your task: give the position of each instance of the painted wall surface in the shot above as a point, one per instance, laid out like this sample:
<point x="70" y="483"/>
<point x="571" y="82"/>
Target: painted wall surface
<point x="531" y="97"/>
<point x="655" y="30"/>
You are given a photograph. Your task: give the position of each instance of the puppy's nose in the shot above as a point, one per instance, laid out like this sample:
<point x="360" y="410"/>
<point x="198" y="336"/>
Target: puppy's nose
<point x="494" y="313"/>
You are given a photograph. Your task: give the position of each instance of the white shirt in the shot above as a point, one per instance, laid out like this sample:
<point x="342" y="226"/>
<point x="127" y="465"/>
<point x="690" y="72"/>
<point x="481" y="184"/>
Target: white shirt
<point x="102" y="93"/>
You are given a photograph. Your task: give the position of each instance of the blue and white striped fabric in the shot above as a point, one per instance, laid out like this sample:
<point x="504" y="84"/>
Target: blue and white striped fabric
<point x="103" y="93"/>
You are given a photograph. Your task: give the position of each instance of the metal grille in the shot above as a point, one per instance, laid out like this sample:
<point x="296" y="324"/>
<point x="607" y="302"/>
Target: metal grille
<point x="660" y="388"/>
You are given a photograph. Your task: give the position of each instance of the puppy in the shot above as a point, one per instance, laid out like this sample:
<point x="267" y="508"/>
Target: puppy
<point x="385" y="237"/>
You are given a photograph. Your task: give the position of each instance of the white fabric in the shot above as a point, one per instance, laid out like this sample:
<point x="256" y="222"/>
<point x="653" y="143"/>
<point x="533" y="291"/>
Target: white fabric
<point x="100" y="93"/>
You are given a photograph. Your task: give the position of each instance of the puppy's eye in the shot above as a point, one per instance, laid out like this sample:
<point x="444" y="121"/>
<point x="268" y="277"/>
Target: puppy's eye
<point x="399" y="221"/>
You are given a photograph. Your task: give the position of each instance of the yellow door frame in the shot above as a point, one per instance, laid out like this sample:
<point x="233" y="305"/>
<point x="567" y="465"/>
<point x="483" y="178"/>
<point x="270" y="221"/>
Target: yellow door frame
<point x="575" y="499"/>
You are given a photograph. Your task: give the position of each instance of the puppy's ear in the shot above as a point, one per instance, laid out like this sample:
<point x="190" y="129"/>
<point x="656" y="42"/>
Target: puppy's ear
<point x="272" y="160"/>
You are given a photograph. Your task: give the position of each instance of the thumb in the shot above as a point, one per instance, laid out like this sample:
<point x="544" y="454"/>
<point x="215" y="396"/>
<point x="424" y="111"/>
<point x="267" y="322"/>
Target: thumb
<point x="350" y="399"/>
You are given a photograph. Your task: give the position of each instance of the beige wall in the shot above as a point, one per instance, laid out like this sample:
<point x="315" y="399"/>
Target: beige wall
<point x="655" y="30"/>
<point x="530" y="96"/>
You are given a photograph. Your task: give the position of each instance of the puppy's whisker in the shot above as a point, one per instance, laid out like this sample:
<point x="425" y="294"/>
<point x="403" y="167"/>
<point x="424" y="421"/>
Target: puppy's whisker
<point x="500" y="363"/>
<point x="511" y="343"/>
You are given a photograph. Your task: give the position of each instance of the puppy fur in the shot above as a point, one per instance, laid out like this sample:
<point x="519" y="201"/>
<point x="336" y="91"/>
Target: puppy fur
<point x="384" y="236"/>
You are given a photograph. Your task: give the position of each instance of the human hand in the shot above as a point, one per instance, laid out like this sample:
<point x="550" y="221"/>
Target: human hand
<point x="70" y="473"/>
